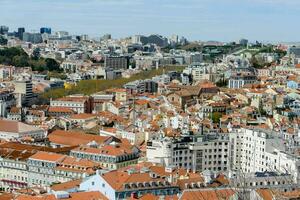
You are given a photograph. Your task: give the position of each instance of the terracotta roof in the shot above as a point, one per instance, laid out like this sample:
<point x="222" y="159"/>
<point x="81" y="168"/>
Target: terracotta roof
<point x="149" y="197"/>
<point x="112" y="150"/>
<point x="224" y="194"/>
<point x="15" y="127"/>
<point x="74" y="99"/>
<point x="87" y="196"/>
<point x="15" y="110"/>
<point x="6" y="196"/>
<point x="292" y="194"/>
<point x="54" y="109"/>
<point x="27" y="147"/>
<point x="73" y="196"/>
<point x="29" y="197"/>
<point x="66" y="185"/>
<point x="265" y="194"/>
<point x="51" y="157"/>
<point x="72" y="138"/>
<point x="82" y="116"/>
<point x="141" y="102"/>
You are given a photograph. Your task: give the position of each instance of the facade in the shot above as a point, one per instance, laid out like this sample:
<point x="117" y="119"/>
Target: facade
<point x="259" y="180"/>
<point x="7" y="100"/>
<point x="256" y="150"/>
<point x="197" y="154"/>
<point x="46" y="30"/>
<point x="123" y="183"/>
<point x="79" y="104"/>
<point x="23" y="90"/>
<point x="110" y="157"/>
<point x="13" y="169"/>
<point x="46" y="168"/>
<point x="142" y="86"/>
<point x="116" y="62"/>
<point x="34" y="38"/>
<point x="294" y="51"/>
<point x="238" y="81"/>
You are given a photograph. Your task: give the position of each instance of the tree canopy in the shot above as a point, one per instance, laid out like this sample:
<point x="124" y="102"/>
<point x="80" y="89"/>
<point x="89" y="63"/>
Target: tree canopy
<point x="19" y="58"/>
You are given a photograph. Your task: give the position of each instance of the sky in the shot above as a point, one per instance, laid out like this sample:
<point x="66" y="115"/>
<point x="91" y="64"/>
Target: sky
<point x="221" y="20"/>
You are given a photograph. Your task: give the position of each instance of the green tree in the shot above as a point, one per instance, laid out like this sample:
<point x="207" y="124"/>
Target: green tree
<point x="20" y="61"/>
<point x="3" y="40"/>
<point x="36" y="53"/>
<point x="52" y="65"/>
<point x="215" y="116"/>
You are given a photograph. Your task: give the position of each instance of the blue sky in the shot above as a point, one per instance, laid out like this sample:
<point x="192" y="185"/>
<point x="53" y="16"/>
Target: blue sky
<point x="223" y="20"/>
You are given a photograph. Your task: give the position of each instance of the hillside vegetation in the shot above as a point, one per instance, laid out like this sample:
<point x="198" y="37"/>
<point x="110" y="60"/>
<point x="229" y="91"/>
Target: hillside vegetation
<point x="88" y="87"/>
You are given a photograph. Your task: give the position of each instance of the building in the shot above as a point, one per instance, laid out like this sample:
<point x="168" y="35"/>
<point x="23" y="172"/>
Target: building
<point x="239" y="80"/>
<point x="199" y="72"/>
<point x="260" y="180"/>
<point x="7" y="100"/>
<point x="23" y="90"/>
<point x="242" y="42"/>
<point x="213" y="194"/>
<point x="59" y="138"/>
<point x="151" y="39"/>
<point x="78" y="103"/>
<point x="142" y="86"/>
<point x="258" y="150"/>
<point x="14" y="130"/>
<point x="137" y="180"/>
<point x="6" y="72"/>
<point x="20" y="33"/>
<point x="110" y="156"/>
<point x="105" y="37"/>
<point x="34" y="38"/>
<point x="45" y="168"/>
<point x="4" y="30"/>
<point x="116" y="62"/>
<point x="46" y="30"/>
<point x="194" y="153"/>
<point x="294" y="51"/>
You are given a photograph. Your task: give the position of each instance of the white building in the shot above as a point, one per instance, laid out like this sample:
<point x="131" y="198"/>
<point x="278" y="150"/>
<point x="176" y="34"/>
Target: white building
<point x="198" y="153"/>
<point x="258" y="151"/>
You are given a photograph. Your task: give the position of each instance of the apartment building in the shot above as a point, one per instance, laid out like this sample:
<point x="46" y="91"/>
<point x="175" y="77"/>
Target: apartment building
<point x="111" y="156"/>
<point x="116" y="62"/>
<point x="23" y="90"/>
<point x="45" y="168"/>
<point x="259" y="150"/>
<point x="141" y="179"/>
<point x="199" y="153"/>
<point x="13" y="169"/>
<point x="13" y="163"/>
<point x="142" y="86"/>
<point x="239" y="80"/>
<point x="260" y="180"/>
<point x="78" y="103"/>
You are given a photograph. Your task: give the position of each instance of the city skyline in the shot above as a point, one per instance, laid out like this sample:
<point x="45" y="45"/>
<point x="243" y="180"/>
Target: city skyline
<point x="266" y="20"/>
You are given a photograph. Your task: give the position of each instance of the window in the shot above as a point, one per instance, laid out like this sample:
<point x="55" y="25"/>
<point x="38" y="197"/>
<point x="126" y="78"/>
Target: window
<point x="93" y="183"/>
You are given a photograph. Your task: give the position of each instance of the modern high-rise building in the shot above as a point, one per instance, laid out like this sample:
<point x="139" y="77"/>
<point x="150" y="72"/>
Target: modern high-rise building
<point x="23" y="90"/>
<point x="32" y="37"/>
<point x="20" y="32"/>
<point x="3" y="30"/>
<point x="106" y="37"/>
<point x="116" y="62"/>
<point x="46" y="30"/>
<point x="294" y="51"/>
